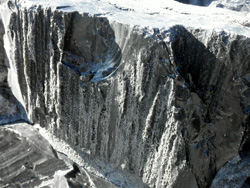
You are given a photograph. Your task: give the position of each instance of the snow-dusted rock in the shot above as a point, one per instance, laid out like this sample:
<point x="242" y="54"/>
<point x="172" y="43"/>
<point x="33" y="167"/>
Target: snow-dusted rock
<point x="160" y="93"/>
<point x="236" y="5"/>
<point x="10" y="108"/>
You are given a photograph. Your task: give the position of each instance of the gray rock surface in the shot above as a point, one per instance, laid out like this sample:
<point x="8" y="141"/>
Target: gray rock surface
<point x="169" y="106"/>
<point x="234" y="174"/>
<point x="196" y="2"/>
<point x="3" y="58"/>
<point x="28" y="160"/>
<point x="235" y="5"/>
<point x="10" y="108"/>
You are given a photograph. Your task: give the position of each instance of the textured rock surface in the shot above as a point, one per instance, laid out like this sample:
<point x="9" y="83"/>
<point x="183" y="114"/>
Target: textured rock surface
<point x="235" y="173"/>
<point x="28" y="160"/>
<point x="169" y="106"/>
<point x="10" y="108"/>
<point x="3" y="59"/>
<point x="236" y="5"/>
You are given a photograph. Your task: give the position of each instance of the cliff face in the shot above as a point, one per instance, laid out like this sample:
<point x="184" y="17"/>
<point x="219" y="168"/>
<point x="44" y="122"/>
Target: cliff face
<point x="170" y="106"/>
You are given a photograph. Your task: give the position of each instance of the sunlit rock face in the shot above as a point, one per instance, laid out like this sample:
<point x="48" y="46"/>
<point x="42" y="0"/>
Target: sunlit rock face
<point x="169" y="106"/>
<point x="112" y="117"/>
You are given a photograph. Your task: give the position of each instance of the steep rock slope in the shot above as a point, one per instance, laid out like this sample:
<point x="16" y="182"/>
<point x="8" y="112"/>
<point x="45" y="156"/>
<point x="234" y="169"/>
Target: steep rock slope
<point x="26" y="158"/>
<point x="168" y="105"/>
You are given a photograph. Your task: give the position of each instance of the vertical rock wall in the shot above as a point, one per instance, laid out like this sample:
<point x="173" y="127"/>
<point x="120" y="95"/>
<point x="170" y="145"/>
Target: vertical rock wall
<point x="10" y="109"/>
<point x="214" y="115"/>
<point x="167" y="106"/>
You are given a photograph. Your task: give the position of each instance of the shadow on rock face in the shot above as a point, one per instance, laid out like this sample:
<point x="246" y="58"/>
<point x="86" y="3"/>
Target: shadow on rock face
<point x="3" y="58"/>
<point x="236" y="173"/>
<point x="196" y="64"/>
<point x="216" y="80"/>
<point x="11" y="109"/>
<point x="196" y="2"/>
<point x="90" y="48"/>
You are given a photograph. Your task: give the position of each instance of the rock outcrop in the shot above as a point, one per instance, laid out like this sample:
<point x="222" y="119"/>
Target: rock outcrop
<point x="169" y="106"/>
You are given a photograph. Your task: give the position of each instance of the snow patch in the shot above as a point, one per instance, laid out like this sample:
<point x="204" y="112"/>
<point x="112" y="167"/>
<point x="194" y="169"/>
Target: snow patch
<point x="156" y="14"/>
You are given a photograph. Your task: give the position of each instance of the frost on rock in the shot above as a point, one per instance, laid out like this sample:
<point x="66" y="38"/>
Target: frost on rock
<point x="140" y="103"/>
